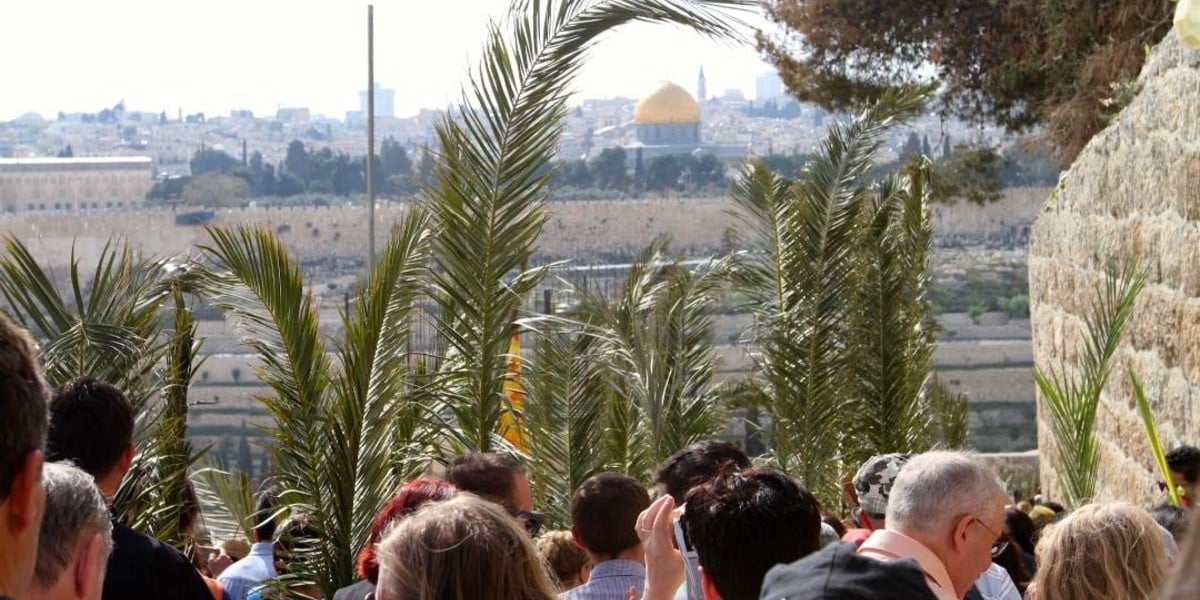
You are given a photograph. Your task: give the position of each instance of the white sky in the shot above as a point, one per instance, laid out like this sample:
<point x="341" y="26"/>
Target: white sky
<point x="215" y="55"/>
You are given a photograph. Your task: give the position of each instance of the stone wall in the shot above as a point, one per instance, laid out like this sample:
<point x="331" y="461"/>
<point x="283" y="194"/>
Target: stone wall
<point x="575" y="229"/>
<point x="1134" y="190"/>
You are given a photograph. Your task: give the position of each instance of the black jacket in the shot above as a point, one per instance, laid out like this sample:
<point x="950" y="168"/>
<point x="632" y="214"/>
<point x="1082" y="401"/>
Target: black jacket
<point x="838" y="572"/>
<point x="142" y="567"/>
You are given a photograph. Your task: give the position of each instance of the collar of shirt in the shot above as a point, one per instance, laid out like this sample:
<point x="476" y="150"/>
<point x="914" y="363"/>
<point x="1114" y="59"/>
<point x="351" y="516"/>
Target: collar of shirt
<point x="890" y="545"/>
<point x="262" y="549"/>
<point x="618" y="568"/>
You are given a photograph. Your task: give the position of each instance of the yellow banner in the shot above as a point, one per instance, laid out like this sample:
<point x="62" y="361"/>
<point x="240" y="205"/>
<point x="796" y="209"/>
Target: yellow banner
<point x="512" y="415"/>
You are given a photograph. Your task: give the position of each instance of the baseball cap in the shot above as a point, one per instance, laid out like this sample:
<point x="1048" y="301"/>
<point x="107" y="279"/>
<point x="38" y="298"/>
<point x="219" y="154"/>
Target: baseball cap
<point x="873" y="481"/>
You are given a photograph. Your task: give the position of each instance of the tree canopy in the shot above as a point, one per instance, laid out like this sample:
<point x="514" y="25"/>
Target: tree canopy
<point x="1022" y="63"/>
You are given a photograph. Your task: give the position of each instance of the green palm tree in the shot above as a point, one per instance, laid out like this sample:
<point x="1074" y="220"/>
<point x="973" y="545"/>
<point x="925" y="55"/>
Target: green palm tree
<point x="336" y="415"/>
<point x="800" y="282"/>
<point x="491" y="179"/>
<point x="1072" y="401"/>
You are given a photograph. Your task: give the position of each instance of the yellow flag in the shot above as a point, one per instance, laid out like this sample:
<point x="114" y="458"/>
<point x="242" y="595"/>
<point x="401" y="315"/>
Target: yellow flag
<point x="512" y="416"/>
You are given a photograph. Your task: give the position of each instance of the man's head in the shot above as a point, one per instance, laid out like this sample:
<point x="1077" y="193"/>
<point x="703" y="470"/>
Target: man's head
<point x="497" y="478"/>
<point x="22" y="442"/>
<point x="873" y="484"/>
<point x="744" y="523"/>
<point x="264" y="514"/>
<point x="954" y="506"/>
<point x="76" y="537"/>
<point x="1184" y="464"/>
<point x="604" y="515"/>
<point x="91" y="425"/>
<point x="695" y="465"/>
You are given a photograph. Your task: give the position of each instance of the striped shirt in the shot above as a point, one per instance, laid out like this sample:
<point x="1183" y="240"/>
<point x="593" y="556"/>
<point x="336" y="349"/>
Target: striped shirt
<point x="611" y="580"/>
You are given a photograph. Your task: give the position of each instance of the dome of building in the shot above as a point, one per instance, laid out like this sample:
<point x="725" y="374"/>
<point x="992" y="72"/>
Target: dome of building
<point x="668" y="104"/>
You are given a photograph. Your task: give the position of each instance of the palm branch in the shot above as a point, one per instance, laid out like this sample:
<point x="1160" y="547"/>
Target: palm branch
<point x="659" y="358"/>
<point x="491" y="180"/>
<point x="564" y="412"/>
<point x="110" y="326"/>
<point x="334" y="430"/>
<point x="1072" y="401"/>
<point x="894" y="325"/>
<point x="799" y="278"/>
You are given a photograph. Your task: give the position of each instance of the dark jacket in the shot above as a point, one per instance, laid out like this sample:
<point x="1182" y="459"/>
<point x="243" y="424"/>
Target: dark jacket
<point x="838" y="572"/>
<point x="142" y="567"/>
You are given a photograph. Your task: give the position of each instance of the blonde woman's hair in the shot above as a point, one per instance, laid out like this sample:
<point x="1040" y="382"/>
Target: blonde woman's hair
<point x="462" y="549"/>
<point x="1101" y="552"/>
<point x="563" y="556"/>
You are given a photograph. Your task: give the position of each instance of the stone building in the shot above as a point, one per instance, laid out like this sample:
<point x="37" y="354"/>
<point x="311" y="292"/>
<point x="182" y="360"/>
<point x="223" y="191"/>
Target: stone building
<point x="668" y="121"/>
<point x="1134" y="191"/>
<point x="74" y="184"/>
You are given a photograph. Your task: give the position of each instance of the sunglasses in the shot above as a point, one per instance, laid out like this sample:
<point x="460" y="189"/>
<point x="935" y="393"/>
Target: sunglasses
<point x="530" y="520"/>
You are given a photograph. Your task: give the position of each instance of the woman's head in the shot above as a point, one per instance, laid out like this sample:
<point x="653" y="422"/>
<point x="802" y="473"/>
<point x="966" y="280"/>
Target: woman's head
<point x="567" y="561"/>
<point x="408" y="499"/>
<point x="460" y="549"/>
<point x="1101" y="552"/>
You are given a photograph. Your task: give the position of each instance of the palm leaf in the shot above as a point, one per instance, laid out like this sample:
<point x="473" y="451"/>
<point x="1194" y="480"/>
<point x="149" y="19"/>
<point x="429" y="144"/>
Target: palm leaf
<point x="335" y="431"/>
<point x="564" y="411"/>
<point x="1156" y="448"/>
<point x="491" y="180"/>
<point x="894" y="322"/>
<point x="800" y="276"/>
<point x="1072" y="401"/>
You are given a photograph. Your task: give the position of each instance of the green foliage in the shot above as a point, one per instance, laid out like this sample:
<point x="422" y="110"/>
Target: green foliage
<point x="209" y="160"/>
<point x="1072" y="394"/>
<point x="1061" y="66"/>
<point x="109" y="327"/>
<point x="801" y="279"/>
<point x="608" y="169"/>
<point x="491" y="180"/>
<point x="337" y="441"/>
<point x="893" y="329"/>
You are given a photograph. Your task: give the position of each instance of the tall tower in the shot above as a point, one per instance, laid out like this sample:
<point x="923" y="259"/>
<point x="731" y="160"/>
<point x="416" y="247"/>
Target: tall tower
<point x="701" y="92"/>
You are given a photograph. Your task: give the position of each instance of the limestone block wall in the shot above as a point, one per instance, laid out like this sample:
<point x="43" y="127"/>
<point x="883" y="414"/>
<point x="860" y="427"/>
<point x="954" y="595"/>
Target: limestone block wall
<point x="1134" y="190"/>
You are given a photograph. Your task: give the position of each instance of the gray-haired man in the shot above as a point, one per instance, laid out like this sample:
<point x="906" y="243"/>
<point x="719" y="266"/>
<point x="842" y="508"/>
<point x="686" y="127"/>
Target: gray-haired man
<point x="76" y="537"/>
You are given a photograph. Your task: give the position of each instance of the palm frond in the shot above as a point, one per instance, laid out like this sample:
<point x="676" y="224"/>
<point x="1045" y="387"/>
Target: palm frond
<point x="492" y="179"/>
<point x="800" y="275"/>
<point x="336" y="432"/>
<point x="894" y="323"/>
<point x="564" y="412"/>
<point x="226" y="502"/>
<point x="1072" y="401"/>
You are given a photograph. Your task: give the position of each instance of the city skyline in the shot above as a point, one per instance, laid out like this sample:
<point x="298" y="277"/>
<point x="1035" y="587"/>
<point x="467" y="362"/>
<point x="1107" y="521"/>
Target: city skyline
<point x="222" y="55"/>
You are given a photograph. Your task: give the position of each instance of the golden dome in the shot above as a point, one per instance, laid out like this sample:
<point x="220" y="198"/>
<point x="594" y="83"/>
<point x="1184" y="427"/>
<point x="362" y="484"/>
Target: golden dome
<point x="668" y="104"/>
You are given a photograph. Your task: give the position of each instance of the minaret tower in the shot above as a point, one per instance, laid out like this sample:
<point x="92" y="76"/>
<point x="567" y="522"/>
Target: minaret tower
<point x="701" y="93"/>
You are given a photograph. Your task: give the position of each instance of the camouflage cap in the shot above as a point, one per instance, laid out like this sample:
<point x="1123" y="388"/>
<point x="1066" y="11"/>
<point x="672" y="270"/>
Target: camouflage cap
<point x="873" y="481"/>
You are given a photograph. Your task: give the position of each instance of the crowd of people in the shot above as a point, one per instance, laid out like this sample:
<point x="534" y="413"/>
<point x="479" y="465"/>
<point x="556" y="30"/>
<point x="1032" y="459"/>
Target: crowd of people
<point x="938" y="525"/>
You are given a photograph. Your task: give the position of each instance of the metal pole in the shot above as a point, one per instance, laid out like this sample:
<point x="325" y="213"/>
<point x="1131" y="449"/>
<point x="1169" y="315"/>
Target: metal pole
<point x="370" y="137"/>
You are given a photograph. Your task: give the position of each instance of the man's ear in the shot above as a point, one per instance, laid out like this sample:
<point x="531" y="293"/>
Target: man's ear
<point x="23" y="510"/>
<point x="126" y="459"/>
<point x="706" y="584"/>
<point x="90" y="562"/>
<point x="575" y="537"/>
<point x="961" y="531"/>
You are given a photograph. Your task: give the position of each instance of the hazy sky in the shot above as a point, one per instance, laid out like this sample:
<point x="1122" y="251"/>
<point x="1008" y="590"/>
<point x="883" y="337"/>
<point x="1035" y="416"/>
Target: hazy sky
<point x="214" y="55"/>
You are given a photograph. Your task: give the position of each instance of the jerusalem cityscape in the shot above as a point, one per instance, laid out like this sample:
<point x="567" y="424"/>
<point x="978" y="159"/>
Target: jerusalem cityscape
<point x="789" y="246"/>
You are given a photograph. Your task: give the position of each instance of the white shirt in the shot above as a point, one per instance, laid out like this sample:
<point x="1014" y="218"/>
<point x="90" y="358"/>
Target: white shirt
<point x="995" y="584"/>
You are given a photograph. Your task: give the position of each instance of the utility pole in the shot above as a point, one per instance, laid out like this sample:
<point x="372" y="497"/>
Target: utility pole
<point x="370" y="137"/>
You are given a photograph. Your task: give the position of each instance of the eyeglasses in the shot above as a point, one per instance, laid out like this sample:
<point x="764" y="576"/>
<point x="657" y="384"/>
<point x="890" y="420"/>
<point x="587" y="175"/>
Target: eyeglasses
<point x="530" y="520"/>
<point x="1001" y="541"/>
